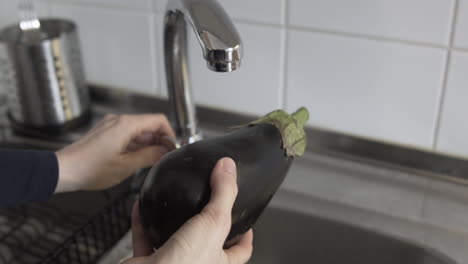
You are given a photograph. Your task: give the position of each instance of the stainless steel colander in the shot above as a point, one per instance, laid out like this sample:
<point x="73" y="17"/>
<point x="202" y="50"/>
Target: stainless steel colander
<point x="43" y="75"/>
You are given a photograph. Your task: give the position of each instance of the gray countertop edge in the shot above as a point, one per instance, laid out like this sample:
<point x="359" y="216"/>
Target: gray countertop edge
<point x="418" y="162"/>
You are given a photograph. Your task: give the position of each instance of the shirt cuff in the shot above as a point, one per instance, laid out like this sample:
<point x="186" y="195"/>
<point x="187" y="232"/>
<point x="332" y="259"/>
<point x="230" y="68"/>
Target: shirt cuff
<point x="48" y="174"/>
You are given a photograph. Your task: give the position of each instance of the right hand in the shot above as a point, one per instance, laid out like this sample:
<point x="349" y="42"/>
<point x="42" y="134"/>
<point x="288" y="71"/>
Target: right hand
<point x="200" y="240"/>
<point x="116" y="147"/>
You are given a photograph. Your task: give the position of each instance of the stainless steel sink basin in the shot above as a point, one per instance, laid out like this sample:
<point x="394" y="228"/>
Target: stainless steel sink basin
<point x="283" y="236"/>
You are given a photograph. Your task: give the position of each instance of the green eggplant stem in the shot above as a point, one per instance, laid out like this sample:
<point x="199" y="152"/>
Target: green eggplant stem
<point x="291" y="128"/>
<point x="301" y="116"/>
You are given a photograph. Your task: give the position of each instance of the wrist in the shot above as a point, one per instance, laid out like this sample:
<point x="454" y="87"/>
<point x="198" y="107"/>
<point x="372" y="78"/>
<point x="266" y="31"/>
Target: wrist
<point x="66" y="181"/>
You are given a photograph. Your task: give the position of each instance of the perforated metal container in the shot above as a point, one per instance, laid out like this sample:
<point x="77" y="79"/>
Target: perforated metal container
<point x="43" y="76"/>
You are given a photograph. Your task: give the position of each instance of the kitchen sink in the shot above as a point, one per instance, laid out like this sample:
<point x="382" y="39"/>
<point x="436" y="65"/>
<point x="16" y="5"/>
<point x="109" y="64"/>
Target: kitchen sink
<point x="283" y="236"/>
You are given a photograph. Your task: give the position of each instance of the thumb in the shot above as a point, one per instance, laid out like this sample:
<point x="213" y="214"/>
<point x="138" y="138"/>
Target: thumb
<point x="141" y="244"/>
<point x="213" y="223"/>
<point x="223" y="195"/>
<point x="145" y="157"/>
<point x="223" y="190"/>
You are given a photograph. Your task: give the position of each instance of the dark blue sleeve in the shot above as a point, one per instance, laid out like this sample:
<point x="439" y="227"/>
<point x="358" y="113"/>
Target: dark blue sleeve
<point x="27" y="176"/>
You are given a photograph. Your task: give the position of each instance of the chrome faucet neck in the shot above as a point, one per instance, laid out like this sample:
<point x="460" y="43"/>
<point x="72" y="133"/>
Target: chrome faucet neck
<point x="222" y="50"/>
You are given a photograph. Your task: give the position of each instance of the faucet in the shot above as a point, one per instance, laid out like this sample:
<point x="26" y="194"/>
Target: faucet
<point x="221" y="46"/>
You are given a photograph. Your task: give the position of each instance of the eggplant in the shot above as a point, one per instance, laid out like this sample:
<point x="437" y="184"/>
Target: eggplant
<point x="178" y="186"/>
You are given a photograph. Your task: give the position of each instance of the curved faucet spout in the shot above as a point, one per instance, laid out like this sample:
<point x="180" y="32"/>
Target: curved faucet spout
<point x="221" y="46"/>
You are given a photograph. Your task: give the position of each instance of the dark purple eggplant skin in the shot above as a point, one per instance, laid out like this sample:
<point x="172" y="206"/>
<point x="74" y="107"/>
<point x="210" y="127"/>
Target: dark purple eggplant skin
<point x="178" y="186"/>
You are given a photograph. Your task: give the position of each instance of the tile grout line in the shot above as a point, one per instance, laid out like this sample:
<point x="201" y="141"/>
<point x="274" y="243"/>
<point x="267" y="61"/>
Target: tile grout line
<point x="146" y="10"/>
<point x="160" y="54"/>
<point x="282" y="59"/>
<point x="460" y="49"/>
<point x="160" y="57"/>
<point x="152" y="9"/>
<point x="259" y="23"/>
<point x="439" y="113"/>
<point x="344" y="34"/>
<point x="284" y="55"/>
<point x="154" y="51"/>
<point x="368" y="37"/>
<point x="443" y="91"/>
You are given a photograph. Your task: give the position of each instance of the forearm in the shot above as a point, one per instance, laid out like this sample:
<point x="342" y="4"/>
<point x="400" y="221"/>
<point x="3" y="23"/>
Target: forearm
<point x="27" y="176"/>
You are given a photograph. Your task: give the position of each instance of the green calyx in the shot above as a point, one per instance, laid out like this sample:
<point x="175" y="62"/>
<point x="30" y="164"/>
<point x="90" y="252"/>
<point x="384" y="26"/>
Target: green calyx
<point x="291" y="128"/>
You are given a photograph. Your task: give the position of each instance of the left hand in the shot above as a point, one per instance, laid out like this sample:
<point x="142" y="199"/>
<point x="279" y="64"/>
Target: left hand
<point x="117" y="147"/>
<point x="200" y="240"/>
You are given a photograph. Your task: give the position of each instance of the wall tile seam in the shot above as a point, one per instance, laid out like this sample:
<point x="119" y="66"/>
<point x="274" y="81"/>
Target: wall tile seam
<point x="154" y="47"/>
<point x="284" y="58"/>
<point x="441" y="97"/>
<point x="284" y="25"/>
<point x="77" y="3"/>
<point x="368" y="37"/>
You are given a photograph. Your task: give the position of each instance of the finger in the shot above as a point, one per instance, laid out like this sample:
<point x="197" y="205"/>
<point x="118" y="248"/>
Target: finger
<point x="136" y="125"/>
<point x="241" y="252"/>
<point x="223" y="195"/>
<point x="149" y="139"/>
<point x="145" y="157"/>
<point x="212" y="224"/>
<point x="143" y="140"/>
<point x="141" y="245"/>
<point x="146" y="138"/>
<point x="132" y="147"/>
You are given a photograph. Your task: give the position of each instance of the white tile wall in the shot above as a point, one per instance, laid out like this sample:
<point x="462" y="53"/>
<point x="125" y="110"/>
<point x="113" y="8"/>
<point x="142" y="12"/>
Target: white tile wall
<point x="417" y="20"/>
<point x="454" y="126"/>
<point x="352" y="82"/>
<point x="366" y="87"/>
<point x="161" y="88"/>
<point x="133" y="4"/>
<point x="349" y="61"/>
<point x="461" y="32"/>
<point x="240" y="90"/>
<point x="120" y="52"/>
<point x="264" y="11"/>
<point x="255" y="87"/>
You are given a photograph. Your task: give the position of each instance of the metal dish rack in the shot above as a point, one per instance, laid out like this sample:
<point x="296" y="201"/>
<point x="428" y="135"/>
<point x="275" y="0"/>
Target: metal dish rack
<point x="60" y="230"/>
<point x="46" y="233"/>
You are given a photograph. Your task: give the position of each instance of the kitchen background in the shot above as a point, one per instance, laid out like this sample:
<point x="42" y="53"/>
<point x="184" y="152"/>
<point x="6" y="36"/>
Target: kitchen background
<point x="389" y="70"/>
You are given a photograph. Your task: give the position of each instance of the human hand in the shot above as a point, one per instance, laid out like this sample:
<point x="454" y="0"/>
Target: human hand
<point x="115" y="148"/>
<point x="200" y="240"/>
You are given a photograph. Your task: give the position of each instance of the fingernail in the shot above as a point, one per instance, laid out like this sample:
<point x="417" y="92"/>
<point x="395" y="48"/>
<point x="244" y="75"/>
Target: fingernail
<point x="229" y="165"/>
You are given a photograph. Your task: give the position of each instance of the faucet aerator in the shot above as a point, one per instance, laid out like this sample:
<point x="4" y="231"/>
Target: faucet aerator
<point x="223" y="66"/>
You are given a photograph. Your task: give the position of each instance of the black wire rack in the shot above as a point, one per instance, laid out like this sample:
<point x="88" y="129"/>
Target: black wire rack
<point x="47" y="233"/>
<point x="88" y="243"/>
